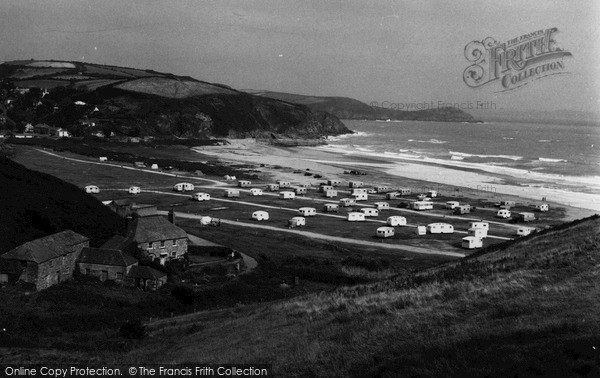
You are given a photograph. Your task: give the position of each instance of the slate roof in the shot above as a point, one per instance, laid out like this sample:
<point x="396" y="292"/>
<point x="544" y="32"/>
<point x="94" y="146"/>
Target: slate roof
<point x="105" y="256"/>
<point x="45" y="248"/>
<point x="153" y="228"/>
<point x="140" y="271"/>
<point x="117" y="242"/>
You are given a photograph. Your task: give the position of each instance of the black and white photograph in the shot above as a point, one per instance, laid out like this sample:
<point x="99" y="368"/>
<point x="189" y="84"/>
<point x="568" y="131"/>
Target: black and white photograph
<point x="283" y="188"/>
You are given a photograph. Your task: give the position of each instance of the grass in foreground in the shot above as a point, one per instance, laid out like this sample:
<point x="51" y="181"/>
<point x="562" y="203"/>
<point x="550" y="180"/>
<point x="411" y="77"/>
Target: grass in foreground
<point x="529" y="309"/>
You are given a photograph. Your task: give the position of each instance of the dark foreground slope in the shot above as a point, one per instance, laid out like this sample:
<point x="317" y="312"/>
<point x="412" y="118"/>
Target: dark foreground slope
<point x="35" y="204"/>
<point x="349" y="108"/>
<point x="530" y="308"/>
<point x="135" y="102"/>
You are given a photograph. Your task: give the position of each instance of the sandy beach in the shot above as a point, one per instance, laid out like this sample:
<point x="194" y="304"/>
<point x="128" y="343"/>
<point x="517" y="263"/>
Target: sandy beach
<point x="289" y="163"/>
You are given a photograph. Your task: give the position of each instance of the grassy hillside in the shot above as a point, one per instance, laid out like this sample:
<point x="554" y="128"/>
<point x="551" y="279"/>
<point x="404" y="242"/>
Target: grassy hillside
<point x="528" y="308"/>
<point x="133" y="102"/>
<point x="35" y="204"/>
<point x="349" y="108"/>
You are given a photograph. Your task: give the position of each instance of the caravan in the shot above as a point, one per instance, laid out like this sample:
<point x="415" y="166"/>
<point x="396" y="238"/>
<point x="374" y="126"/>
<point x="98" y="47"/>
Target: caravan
<point x="462" y="209"/>
<point x="452" y="205"/>
<point x="524" y="231"/>
<point x="272" y="187"/>
<point x="478" y="232"/>
<point x="382" y="205"/>
<point x="135" y="190"/>
<point x="287" y="195"/>
<point x="260" y="215"/>
<point x="183" y="187"/>
<point x="356" y="217"/>
<point x="324" y="188"/>
<point x="307" y="211"/>
<point x="525" y="217"/>
<point x="297" y="222"/>
<point x="359" y="191"/>
<point x="283" y="184"/>
<point x="300" y="191"/>
<point x="440" y="228"/>
<point x="472" y="242"/>
<point x="231" y="193"/>
<point x="421" y="205"/>
<point x="331" y="207"/>
<point x="396" y="220"/>
<point x="201" y="197"/>
<point x="360" y="196"/>
<point x="355" y="184"/>
<point x="370" y="211"/>
<point x="345" y="202"/>
<point x="92" y="189"/>
<point x="244" y="183"/>
<point x="385" y="232"/>
<point x="256" y="192"/>
<point x="331" y="193"/>
<point x="503" y="213"/>
<point x="334" y="182"/>
<point x="541" y="207"/>
<point x="484" y="225"/>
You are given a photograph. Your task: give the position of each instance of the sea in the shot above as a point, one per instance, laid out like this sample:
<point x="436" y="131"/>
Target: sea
<point x="561" y="159"/>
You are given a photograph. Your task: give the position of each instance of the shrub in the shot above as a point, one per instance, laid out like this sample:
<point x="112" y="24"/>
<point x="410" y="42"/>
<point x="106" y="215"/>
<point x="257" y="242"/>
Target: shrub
<point x="133" y="329"/>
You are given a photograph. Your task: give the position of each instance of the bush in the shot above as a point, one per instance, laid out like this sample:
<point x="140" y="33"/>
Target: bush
<point x="133" y="329"/>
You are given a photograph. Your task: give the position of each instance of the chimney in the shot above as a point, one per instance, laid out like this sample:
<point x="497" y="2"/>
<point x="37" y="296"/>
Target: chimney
<point x="171" y="216"/>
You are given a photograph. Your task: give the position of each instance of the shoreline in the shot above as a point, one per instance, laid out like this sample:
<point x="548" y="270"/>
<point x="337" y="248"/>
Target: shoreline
<point x="282" y="162"/>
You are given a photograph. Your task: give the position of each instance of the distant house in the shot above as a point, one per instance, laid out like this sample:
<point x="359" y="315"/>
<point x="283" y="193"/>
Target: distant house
<point x="62" y="133"/>
<point x="80" y="103"/>
<point x="106" y="264"/>
<point x="145" y="277"/>
<point x="45" y="261"/>
<point x="157" y="238"/>
<point x="142" y="210"/>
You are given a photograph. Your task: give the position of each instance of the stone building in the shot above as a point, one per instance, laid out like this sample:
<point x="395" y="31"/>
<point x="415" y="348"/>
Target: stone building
<point x="106" y="264"/>
<point x="157" y="238"/>
<point x="45" y="261"/>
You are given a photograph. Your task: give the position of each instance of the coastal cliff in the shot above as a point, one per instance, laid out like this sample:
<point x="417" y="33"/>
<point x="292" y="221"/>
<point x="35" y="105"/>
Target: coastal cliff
<point x="91" y="99"/>
<point x="349" y="108"/>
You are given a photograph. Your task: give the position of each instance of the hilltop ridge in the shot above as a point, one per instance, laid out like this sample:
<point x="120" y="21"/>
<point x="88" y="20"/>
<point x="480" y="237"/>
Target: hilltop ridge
<point x="87" y="98"/>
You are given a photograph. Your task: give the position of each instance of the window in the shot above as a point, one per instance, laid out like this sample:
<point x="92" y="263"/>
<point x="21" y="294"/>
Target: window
<point x="173" y="254"/>
<point x="51" y="263"/>
<point x="174" y="243"/>
<point x="162" y="244"/>
<point x="149" y="246"/>
<point x="119" y="276"/>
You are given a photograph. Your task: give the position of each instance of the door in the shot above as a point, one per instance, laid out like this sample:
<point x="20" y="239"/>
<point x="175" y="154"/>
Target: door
<point x="104" y="275"/>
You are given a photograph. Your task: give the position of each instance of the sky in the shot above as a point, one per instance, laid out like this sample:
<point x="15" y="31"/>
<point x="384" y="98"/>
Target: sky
<point x="393" y="52"/>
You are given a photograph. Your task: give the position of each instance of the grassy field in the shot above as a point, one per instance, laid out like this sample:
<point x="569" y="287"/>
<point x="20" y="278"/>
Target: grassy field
<point x="527" y="310"/>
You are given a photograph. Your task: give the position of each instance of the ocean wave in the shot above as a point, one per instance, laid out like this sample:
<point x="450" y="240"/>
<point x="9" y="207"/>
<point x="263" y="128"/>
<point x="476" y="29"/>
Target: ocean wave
<point x="549" y="160"/>
<point x="333" y="138"/>
<point x="466" y="155"/>
<point x="434" y="141"/>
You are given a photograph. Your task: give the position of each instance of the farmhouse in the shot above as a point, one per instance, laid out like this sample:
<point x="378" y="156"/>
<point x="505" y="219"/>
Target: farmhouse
<point x="287" y="195"/>
<point x="45" y="261"/>
<point x="157" y="238"/>
<point x="256" y="192"/>
<point x="385" y="232"/>
<point x="244" y="183"/>
<point x="106" y="264"/>
<point x="396" y="220"/>
<point x="440" y="228"/>
<point x="231" y="193"/>
<point x="146" y="278"/>
<point x="331" y="207"/>
<point x="471" y="242"/>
